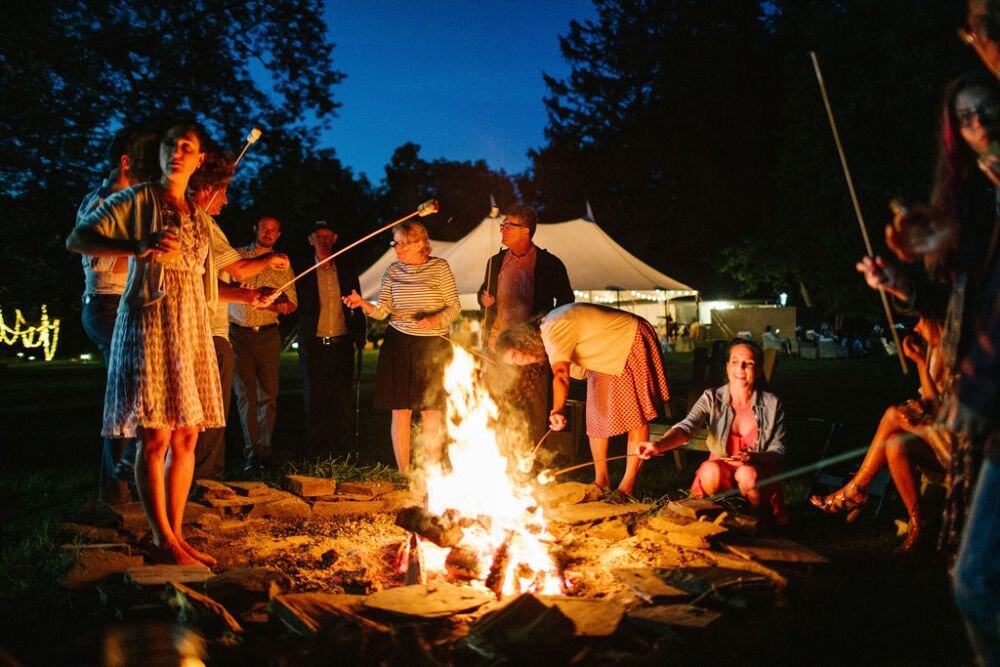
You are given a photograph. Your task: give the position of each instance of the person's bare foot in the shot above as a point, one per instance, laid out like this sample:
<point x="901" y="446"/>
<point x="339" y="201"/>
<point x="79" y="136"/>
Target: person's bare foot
<point x="171" y="553"/>
<point x="199" y="556"/>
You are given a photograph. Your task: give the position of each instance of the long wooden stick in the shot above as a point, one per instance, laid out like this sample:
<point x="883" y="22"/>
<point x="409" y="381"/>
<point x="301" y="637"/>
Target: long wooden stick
<point x="251" y="139"/>
<point x="551" y="475"/>
<point x="425" y="209"/>
<point x="857" y="207"/>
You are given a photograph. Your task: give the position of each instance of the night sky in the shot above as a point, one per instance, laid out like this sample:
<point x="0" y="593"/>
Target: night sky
<point x="462" y="79"/>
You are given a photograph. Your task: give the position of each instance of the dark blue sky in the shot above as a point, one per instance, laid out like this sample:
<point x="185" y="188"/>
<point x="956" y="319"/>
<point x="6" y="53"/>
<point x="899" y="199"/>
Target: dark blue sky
<point x="463" y="79"/>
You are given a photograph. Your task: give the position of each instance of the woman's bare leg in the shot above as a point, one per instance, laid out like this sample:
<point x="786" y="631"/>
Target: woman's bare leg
<point x="906" y="455"/>
<point x="633" y="464"/>
<point x="178" y="474"/>
<point x="710" y="474"/>
<point x="746" y="478"/>
<point x="599" y="452"/>
<point x="149" y="482"/>
<point x="401" y="438"/>
<point x="430" y="427"/>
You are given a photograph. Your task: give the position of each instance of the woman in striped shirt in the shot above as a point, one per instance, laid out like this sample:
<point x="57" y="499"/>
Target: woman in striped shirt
<point x="419" y="297"/>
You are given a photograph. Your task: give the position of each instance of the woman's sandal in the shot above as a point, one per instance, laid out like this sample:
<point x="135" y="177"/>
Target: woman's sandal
<point x="838" y="502"/>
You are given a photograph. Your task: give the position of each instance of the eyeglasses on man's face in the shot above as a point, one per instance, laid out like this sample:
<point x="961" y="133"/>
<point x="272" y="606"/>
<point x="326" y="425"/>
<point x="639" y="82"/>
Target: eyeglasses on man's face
<point x="402" y="245"/>
<point x="506" y="225"/>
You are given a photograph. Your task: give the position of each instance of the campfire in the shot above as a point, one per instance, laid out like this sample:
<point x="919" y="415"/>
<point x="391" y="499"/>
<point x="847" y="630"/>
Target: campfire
<point x="482" y="523"/>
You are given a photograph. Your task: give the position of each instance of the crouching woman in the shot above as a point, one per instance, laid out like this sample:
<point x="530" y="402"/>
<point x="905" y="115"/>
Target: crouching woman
<point x="746" y="435"/>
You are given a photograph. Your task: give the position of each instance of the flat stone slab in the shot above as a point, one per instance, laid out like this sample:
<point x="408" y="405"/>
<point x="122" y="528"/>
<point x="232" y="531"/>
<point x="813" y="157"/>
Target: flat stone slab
<point x="286" y="507"/>
<point x="683" y="615"/>
<point x="95" y="565"/>
<point x="157" y="575"/>
<point x="694" y="507"/>
<point x="239" y="500"/>
<point x="776" y="550"/>
<point x="428" y="601"/>
<point x="307" y="613"/>
<point x="701" y="528"/>
<point x="368" y="489"/>
<point x="614" y="530"/>
<point x="592" y="617"/>
<point x="647" y="583"/>
<point x="250" y="488"/>
<point x="322" y="509"/>
<point x="567" y="493"/>
<point x="210" y="488"/>
<point x="597" y="511"/>
<point x="310" y="487"/>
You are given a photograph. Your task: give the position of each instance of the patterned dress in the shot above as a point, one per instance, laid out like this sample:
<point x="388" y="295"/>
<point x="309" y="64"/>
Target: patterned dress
<point x="162" y="372"/>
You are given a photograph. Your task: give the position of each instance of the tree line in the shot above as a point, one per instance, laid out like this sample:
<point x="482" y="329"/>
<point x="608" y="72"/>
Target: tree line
<point x="694" y="128"/>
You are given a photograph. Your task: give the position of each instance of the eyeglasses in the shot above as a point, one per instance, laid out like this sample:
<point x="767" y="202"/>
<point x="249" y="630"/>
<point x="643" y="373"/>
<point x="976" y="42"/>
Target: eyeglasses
<point x="505" y="225"/>
<point x="401" y="244"/>
<point x="987" y="112"/>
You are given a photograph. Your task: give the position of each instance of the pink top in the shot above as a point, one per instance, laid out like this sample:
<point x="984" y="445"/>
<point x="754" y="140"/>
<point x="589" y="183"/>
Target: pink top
<point x="739" y="441"/>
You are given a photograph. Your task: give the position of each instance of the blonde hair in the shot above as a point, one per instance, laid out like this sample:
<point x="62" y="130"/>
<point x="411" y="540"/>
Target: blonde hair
<point x="414" y="232"/>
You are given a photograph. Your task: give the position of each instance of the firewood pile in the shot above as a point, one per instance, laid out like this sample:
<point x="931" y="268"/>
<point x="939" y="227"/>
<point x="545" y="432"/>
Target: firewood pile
<point x="322" y="571"/>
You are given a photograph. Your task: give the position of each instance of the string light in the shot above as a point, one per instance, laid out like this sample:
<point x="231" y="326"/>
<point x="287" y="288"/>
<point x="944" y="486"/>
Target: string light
<point x="45" y="335"/>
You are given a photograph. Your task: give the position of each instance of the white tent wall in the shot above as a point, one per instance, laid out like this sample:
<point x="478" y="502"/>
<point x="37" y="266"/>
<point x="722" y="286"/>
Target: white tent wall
<point x="600" y="270"/>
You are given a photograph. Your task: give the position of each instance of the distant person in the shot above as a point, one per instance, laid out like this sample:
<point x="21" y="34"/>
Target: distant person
<point x="419" y="297"/>
<point x="104" y="283"/>
<point x="329" y="335"/>
<point x="906" y="441"/>
<point x="256" y="343"/>
<point x="619" y="355"/>
<point x="163" y="382"/>
<point x="746" y="435"/>
<point x="209" y="187"/>
<point x="771" y="340"/>
<point x="522" y="281"/>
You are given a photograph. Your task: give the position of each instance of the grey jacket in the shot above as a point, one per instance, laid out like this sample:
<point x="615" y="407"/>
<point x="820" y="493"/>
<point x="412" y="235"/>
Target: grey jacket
<point x="712" y="410"/>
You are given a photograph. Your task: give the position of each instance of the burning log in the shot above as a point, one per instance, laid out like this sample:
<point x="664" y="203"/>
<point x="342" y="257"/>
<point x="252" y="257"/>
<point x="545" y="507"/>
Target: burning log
<point x="498" y="570"/>
<point x="441" y="530"/>
<point x="463" y="563"/>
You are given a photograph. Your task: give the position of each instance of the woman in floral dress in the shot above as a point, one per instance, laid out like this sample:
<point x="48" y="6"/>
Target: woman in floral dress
<point x="163" y="381"/>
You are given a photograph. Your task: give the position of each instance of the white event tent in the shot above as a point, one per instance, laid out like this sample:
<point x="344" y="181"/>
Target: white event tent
<point x="600" y="270"/>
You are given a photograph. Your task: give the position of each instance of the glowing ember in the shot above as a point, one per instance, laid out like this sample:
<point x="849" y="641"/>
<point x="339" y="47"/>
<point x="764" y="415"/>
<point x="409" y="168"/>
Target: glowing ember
<point x="505" y="533"/>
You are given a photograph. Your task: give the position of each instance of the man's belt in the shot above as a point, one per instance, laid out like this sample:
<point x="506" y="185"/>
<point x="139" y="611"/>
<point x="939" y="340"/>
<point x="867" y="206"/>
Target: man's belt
<point x="330" y="340"/>
<point x="254" y="329"/>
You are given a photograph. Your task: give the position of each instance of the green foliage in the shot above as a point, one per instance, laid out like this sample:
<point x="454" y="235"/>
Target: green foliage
<point x="463" y="188"/>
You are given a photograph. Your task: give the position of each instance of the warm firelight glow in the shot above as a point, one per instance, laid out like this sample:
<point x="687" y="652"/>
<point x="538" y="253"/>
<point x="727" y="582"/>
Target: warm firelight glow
<point x="480" y="487"/>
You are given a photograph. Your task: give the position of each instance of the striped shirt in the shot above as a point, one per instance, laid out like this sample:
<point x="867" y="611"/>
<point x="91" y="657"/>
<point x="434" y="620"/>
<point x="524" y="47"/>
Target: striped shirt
<point x="99" y="273"/>
<point x="413" y="291"/>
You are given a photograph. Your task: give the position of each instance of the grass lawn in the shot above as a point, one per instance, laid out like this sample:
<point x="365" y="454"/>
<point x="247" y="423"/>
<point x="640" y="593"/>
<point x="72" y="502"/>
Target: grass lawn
<point x="50" y="416"/>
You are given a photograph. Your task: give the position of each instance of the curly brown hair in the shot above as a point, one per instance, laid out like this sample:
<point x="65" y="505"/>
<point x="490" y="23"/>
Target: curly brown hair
<point x="525" y="337"/>
<point x="217" y="169"/>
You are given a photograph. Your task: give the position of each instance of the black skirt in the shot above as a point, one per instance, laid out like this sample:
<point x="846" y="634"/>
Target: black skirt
<point x="410" y="373"/>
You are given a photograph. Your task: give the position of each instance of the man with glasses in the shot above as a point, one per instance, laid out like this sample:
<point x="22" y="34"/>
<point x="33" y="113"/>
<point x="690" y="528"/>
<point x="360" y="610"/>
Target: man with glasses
<point x="522" y="281"/>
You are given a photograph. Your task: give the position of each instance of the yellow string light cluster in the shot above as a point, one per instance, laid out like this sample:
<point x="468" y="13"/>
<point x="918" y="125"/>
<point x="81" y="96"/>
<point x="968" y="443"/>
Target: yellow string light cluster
<point x="45" y="335"/>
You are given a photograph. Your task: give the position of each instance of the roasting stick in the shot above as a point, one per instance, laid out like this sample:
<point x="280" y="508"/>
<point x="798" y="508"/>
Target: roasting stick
<point x="857" y="207"/>
<point x="429" y="207"/>
<point x="547" y="476"/>
<point x="251" y="139"/>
